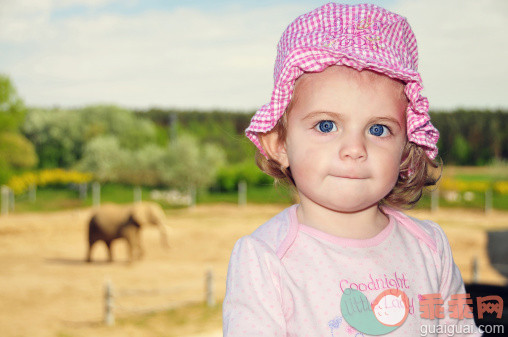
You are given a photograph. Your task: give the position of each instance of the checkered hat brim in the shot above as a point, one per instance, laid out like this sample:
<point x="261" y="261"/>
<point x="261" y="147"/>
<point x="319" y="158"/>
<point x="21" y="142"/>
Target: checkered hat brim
<point x="361" y="37"/>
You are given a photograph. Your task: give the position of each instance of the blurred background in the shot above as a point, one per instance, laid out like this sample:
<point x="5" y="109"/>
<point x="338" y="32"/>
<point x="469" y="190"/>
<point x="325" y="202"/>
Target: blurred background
<point x="140" y="102"/>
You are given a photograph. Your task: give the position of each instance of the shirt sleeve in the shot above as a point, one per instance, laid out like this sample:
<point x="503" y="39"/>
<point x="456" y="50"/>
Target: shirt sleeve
<point x="451" y="284"/>
<point x="253" y="302"/>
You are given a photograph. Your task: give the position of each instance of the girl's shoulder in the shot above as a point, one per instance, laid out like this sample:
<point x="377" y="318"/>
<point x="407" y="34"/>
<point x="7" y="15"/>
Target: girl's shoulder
<point x="427" y="231"/>
<point x="274" y="234"/>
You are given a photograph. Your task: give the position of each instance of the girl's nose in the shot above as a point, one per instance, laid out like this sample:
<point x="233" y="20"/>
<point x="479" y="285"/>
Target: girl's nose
<point x="353" y="147"/>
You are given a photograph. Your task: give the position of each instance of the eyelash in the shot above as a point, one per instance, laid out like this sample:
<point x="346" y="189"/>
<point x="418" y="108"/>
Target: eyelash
<point x="318" y="126"/>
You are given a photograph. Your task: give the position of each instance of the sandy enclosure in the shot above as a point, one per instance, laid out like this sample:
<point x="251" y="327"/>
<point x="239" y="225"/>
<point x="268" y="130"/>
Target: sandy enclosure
<point x="46" y="287"/>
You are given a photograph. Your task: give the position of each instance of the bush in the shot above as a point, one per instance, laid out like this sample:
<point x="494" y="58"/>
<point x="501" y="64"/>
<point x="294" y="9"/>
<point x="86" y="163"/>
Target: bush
<point x="229" y="176"/>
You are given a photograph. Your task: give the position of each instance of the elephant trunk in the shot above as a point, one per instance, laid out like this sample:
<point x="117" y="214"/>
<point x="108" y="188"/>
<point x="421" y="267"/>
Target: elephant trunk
<point x="164" y="235"/>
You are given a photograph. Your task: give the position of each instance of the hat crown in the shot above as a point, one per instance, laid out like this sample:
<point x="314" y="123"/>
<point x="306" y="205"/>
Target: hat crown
<point x="380" y="36"/>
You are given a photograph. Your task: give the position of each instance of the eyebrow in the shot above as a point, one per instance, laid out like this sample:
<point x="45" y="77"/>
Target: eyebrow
<point x="313" y="114"/>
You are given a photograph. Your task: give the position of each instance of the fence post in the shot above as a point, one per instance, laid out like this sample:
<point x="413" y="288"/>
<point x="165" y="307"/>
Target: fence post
<point x="488" y="201"/>
<point x="137" y="194"/>
<point x="434" y="200"/>
<point x="32" y="193"/>
<point x="5" y="200"/>
<point x="109" y="316"/>
<point x="210" y="297"/>
<point x="242" y="193"/>
<point x="96" y="193"/>
<point x="192" y="191"/>
<point x="12" y="200"/>
<point x="83" y="188"/>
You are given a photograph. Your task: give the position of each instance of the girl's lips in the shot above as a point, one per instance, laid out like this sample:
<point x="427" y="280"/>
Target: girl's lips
<point x="346" y="176"/>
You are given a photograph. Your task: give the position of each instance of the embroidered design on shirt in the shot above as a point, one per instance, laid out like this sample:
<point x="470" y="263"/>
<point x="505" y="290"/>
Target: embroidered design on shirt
<point x="334" y="324"/>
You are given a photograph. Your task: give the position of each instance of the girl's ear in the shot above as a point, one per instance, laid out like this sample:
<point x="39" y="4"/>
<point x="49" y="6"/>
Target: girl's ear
<point x="274" y="148"/>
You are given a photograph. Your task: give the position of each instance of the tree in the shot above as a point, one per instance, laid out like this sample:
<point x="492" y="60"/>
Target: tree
<point x="12" y="109"/>
<point x="460" y="150"/>
<point x="181" y="166"/>
<point x="132" y="132"/>
<point x="188" y="164"/>
<point x="17" y="151"/>
<point x="103" y="157"/>
<point x="60" y="136"/>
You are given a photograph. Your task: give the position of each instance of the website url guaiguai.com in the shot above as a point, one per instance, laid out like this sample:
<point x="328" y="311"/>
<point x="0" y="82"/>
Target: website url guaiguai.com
<point x="452" y="330"/>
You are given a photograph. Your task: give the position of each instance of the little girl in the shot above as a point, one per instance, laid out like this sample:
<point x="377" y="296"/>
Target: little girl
<point x="348" y="128"/>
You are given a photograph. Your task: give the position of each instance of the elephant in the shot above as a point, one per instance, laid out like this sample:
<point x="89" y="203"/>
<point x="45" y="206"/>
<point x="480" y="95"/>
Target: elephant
<point x="111" y="221"/>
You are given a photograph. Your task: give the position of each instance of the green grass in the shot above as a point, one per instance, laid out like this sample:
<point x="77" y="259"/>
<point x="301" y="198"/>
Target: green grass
<point x="259" y="195"/>
<point x="480" y="173"/>
<point x="58" y="198"/>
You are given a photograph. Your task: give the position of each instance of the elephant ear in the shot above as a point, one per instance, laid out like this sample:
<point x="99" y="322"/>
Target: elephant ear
<point x="151" y="213"/>
<point x="148" y="213"/>
<point x="156" y="213"/>
<point x="138" y="213"/>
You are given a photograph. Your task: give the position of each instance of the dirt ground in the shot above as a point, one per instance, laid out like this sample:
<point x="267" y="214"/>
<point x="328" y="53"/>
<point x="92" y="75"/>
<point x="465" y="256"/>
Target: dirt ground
<point x="46" y="288"/>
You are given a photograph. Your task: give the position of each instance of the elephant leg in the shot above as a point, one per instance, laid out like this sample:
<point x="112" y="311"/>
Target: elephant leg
<point x="139" y="246"/>
<point x="131" y="234"/>
<point x="141" y="251"/>
<point x="110" y="252"/>
<point x="130" y="246"/>
<point x="89" y="253"/>
<point x="129" y="237"/>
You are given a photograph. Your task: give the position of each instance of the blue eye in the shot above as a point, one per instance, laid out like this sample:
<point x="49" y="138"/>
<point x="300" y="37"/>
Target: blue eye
<point x="379" y="130"/>
<point x="326" y="126"/>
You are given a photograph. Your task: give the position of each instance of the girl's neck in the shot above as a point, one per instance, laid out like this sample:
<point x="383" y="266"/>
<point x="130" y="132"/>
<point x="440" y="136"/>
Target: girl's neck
<point x="363" y="224"/>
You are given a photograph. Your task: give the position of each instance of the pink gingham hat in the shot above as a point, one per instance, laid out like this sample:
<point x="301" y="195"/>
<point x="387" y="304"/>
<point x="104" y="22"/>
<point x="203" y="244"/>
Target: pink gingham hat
<point x="358" y="36"/>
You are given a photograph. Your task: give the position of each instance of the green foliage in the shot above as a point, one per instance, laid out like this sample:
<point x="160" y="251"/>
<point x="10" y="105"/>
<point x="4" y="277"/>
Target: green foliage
<point x="229" y="176"/>
<point x="132" y="131"/>
<point x="186" y="163"/>
<point x="17" y="151"/>
<point x="460" y="150"/>
<point x="60" y="136"/>
<point x="472" y="137"/>
<point x="224" y="129"/>
<point x="5" y="171"/>
<point x="102" y="156"/>
<point x="12" y="109"/>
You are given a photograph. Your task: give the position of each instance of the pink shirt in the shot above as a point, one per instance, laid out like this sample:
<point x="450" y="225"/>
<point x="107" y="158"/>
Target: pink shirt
<point x="287" y="279"/>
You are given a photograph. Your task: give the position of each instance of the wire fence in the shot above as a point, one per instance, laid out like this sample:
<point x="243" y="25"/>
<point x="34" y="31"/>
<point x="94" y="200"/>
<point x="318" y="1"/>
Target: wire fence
<point x="113" y="303"/>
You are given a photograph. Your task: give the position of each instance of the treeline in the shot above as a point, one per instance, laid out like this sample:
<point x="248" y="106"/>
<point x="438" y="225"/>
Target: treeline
<point x="468" y="137"/>
<point x="225" y="129"/>
<point x="472" y="137"/>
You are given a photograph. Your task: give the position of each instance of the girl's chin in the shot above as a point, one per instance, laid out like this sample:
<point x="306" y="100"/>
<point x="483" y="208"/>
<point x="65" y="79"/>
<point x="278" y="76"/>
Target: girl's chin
<point x="348" y="206"/>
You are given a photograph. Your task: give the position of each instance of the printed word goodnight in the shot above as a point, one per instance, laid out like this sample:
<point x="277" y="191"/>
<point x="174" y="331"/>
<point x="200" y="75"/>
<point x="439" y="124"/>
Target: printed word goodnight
<point x="378" y="283"/>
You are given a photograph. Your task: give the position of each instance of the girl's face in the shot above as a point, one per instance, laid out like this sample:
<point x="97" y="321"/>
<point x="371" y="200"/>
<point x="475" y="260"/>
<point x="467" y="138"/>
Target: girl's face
<point x="346" y="131"/>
